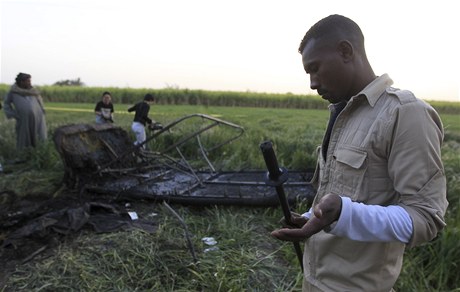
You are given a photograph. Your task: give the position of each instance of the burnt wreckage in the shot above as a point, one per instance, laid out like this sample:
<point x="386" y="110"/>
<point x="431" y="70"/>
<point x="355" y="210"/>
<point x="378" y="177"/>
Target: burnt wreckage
<point x="101" y="159"/>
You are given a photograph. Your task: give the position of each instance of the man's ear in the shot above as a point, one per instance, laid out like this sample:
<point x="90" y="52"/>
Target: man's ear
<point x="346" y="50"/>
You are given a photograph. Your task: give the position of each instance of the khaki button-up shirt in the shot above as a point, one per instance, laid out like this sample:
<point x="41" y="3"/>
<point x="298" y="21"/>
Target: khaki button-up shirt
<point x="384" y="149"/>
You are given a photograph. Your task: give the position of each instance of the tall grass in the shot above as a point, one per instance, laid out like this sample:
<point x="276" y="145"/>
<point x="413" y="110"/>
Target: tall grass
<point x="176" y="96"/>
<point x="243" y="259"/>
<point x="170" y="96"/>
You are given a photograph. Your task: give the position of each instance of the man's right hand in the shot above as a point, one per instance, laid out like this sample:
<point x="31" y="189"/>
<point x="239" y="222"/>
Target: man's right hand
<point x="324" y="214"/>
<point x="297" y="221"/>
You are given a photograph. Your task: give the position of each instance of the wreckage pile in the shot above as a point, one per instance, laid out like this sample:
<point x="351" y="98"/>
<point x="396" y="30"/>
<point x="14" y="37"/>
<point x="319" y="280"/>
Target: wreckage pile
<point x="101" y="159"/>
<point x="86" y="148"/>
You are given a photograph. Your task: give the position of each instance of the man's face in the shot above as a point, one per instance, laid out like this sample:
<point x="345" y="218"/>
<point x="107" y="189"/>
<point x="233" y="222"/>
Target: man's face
<point x="106" y="99"/>
<point x="329" y="74"/>
<point x="26" y="83"/>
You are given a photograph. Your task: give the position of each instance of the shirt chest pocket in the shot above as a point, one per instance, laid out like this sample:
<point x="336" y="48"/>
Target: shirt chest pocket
<point x="348" y="169"/>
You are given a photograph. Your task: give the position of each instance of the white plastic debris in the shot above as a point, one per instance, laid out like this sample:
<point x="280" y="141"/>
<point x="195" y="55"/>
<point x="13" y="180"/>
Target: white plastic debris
<point x="133" y="215"/>
<point x="209" y="240"/>
<point x="214" y="248"/>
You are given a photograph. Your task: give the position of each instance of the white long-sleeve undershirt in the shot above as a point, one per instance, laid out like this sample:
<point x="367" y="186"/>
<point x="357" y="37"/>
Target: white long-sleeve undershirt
<point x="374" y="223"/>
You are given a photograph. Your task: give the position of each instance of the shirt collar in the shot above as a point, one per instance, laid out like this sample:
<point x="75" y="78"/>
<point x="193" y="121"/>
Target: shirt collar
<point x="374" y="90"/>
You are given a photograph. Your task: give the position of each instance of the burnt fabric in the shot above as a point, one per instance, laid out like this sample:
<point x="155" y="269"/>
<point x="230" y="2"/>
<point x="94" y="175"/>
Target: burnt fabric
<point x="100" y="216"/>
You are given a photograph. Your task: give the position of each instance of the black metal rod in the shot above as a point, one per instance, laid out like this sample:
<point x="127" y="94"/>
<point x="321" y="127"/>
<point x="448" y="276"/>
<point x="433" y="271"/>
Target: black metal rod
<point x="275" y="178"/>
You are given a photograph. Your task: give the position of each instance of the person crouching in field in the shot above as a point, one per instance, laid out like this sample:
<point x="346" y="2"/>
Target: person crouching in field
<point x="104" y="109"/>
<point x="141" y="118"/>
<point x="25" y="104"/>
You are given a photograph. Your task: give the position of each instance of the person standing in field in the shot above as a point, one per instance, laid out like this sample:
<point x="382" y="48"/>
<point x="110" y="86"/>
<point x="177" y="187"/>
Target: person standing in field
<point x="24" y="103"/>
<point x="380" y="181"/>
<point x="141" y="118"/>
<point x="104" y="109"/>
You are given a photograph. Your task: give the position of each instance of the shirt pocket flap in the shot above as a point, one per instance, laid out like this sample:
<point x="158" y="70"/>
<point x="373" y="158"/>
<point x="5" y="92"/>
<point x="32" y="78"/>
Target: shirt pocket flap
<point x="351" y="156"/>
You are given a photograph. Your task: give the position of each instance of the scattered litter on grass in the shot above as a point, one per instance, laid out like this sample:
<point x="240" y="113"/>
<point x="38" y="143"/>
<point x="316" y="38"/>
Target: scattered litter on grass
<point x="209" y="240"/>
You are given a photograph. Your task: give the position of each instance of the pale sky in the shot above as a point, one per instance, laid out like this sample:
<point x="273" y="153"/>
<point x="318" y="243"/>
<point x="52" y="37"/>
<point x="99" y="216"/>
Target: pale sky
<point x="230" y="45"/>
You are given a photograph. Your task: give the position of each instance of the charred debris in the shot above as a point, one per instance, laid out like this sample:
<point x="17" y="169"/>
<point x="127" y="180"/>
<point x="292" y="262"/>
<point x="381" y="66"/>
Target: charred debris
<point x="101" y="159"/>
<point x="106" y="175"/>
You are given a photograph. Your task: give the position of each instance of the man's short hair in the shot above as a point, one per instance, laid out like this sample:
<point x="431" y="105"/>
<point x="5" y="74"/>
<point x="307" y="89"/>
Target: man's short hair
<point x="149" y="97"/>
<point x="335" y="27"/>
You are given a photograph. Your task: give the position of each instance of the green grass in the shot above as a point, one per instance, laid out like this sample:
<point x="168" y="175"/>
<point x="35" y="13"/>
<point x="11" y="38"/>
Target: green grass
<point x="177" y="96"/>
<point x="247" y="259"/>
<point x="244" y="261"/>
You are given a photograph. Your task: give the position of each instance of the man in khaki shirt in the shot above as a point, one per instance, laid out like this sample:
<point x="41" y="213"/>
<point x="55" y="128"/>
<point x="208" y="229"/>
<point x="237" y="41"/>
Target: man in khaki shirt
<point x="380" y="180"/>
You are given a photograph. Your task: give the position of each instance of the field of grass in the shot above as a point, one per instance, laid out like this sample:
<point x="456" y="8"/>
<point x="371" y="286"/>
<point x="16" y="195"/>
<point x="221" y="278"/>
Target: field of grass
<point x="179" y="96"/>
<point x="247" y="258"/>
